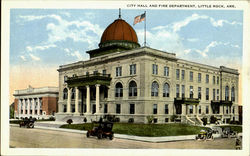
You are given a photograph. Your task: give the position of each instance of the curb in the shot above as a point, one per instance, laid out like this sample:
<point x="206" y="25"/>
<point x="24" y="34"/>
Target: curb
<point x="129" y="137"/>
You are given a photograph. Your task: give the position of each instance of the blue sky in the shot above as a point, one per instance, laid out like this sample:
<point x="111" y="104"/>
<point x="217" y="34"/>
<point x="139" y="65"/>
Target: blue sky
<point x="53" y="37"/>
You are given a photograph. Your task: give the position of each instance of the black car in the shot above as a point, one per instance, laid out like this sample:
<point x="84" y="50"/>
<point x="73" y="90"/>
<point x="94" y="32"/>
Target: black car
<point x="104" y="130"/>
<point x="27" y="122"/>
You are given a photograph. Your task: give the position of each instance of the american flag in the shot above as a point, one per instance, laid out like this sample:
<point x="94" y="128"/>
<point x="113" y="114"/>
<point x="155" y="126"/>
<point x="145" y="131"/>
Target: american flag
<point x="139" y="18"/>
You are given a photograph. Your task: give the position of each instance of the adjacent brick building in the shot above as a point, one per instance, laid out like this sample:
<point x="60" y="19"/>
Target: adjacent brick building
<point x="36" y="102"/>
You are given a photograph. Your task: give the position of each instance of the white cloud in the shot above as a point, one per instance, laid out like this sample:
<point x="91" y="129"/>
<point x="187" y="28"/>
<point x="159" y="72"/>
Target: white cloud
<point x="35" y="58"/>
<point x="193" y="39"/>
<point x="23" y="58"/>
<point x="177" y="26"/>
<point x="41" y="48"/>
<point x="31" y="17"/>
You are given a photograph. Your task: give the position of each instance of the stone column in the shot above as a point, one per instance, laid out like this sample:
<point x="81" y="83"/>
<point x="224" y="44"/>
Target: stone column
<point x="69" y="100"/>
<point x="19" y="107"/>
<point x="88" y="100"/>
<point x="221" y="109"/>
<point x="210" y="109"/>
<point x="38" y="106"/>
<point x="97" y="98"/>
<point x="184" y="109"/>
<point x="28" y="106"/>
<point x="76" y="100"/>
<point x="33" y="106"/>
<point x="23" y="106"/>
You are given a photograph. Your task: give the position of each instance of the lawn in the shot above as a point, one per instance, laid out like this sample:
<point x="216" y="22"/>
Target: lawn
<point x="151" y="130"/>
<point x="236" y="128"/>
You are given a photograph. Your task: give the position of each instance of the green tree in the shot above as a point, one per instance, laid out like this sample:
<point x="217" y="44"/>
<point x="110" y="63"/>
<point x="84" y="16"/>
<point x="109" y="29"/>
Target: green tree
<point x="12" y="111"/>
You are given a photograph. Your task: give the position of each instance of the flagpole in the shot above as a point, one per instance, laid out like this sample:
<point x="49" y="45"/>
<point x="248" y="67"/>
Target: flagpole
<point x="145" y="30"/>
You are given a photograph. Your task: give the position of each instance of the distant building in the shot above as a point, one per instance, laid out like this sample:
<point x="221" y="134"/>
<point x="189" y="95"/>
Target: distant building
<point x="128" y="81"/>
<point x="36" y="102"/>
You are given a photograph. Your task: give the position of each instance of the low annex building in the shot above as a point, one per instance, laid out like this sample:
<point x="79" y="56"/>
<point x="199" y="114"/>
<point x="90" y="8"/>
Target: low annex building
<point x="122" y="78"/>
<point x="36" y="102"/>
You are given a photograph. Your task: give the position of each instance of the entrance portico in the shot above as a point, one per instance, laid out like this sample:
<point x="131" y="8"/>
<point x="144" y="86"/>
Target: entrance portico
<point x="90" y="83"/>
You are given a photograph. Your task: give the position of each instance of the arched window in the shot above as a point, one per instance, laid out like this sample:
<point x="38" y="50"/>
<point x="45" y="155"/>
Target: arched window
<point x="65" y="93"/>
<point x="154" y="89"/>
<point x="232" y="94"/>
<point x="132" y="88"/>
<point x="73" y="93"/>
<point x="118" y="90"/>
<point x="227" y="93"/>
<point x="166" y="90"/>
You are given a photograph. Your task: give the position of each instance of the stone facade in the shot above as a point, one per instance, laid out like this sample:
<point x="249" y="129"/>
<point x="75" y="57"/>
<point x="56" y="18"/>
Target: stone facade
<point x="36" y="102"/>
<point x="186" y="89"/>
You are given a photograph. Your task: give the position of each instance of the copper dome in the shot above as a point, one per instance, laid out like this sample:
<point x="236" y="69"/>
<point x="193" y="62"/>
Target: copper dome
<point x="119" y="30"/>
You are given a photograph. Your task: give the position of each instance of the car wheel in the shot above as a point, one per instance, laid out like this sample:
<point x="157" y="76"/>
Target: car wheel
<point x="87" y="135"/>
<point x="110" y="137"/>
<point x="99" y="135"/>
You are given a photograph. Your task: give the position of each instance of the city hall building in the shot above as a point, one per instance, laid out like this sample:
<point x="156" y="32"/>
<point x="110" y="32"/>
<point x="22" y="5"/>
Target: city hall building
<point x="35" y="102"/>
<point x="122" y="78"/>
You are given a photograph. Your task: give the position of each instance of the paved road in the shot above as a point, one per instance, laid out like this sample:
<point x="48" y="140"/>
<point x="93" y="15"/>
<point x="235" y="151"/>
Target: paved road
<point x="39" y="138"/>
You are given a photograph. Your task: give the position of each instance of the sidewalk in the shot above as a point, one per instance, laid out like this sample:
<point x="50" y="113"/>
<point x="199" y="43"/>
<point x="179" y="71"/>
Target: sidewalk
<point x="55" y="126"/>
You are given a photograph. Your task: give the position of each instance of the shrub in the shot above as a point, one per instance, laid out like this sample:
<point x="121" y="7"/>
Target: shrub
<point x="150" y="119"/>
<point x="131" y="120"/>
<point x="204" y="120"/>
<point x="173" y="117"/>
<point x="117" y="119"/>
<point x="213" y="119"/>
<point x="52" y="118"/>
<point x="85" y="120"/>
<point x="69" y="121"/>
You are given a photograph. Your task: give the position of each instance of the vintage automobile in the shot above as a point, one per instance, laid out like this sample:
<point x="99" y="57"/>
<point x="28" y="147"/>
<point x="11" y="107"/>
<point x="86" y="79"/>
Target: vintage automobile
<point x="204" y="135"/>
<point x="228" y="133"/>
<point x="27" y="122"/>
<point x="104" y="130"/>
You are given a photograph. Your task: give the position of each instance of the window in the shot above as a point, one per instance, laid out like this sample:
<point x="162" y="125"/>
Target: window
<point x="190" y="109"/>
<point x="166" y="90"/>
<point x="65" y="78"/>
<point x="155" y="69"/>
<point x="183" y="91"/>
<point x="118" y="108"/>
<point x="154" y="89"/>
<point x="226" y="109"/>
<point x="65" y="93"/>
<point x="118" y="90"/>
<point x="166" y="108"/>
<point x="104" y="72"/>
<point x="213" y="94"/>
<point x="207" y="93"/>
<point x="191" y="92"/>
<point x="177" y="74"/>
<point x="233" y="109"/>
<point x="199" y="92"/>
<point x="182" y="74"/>
<point x="218" y="94"/>
<point x="72" y="108"/>
<point x="73" y="93"/>
<point x="87" y="73"/>
<point x="105" y="108"/>
<point x="227" y="93"/>
<point x="232" y="94"/>
<point x="191" y="76"/>
<point x="132" y="88"/>
<point x="64" y="108"/>
<point x="155" y="120"/>
<point x="177" y="90"/>
<point x="166" y="71"/>
<point x="199" y="77"/>
<point x="132" y="69"/>
<point x="93" y="109"/>
<point x="207" y="78"/>
<point x="132" y="109"/>
<point x="213" y="79"/>
<point x="218" y="80"/>
<point x="207" y="109"/>
<point x="118" y="71"/>
<point x="155" y="109"/>
<point x="199" y="109"/>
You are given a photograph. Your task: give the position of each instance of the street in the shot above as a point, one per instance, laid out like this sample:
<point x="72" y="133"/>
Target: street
<point x="40" y="138"/>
